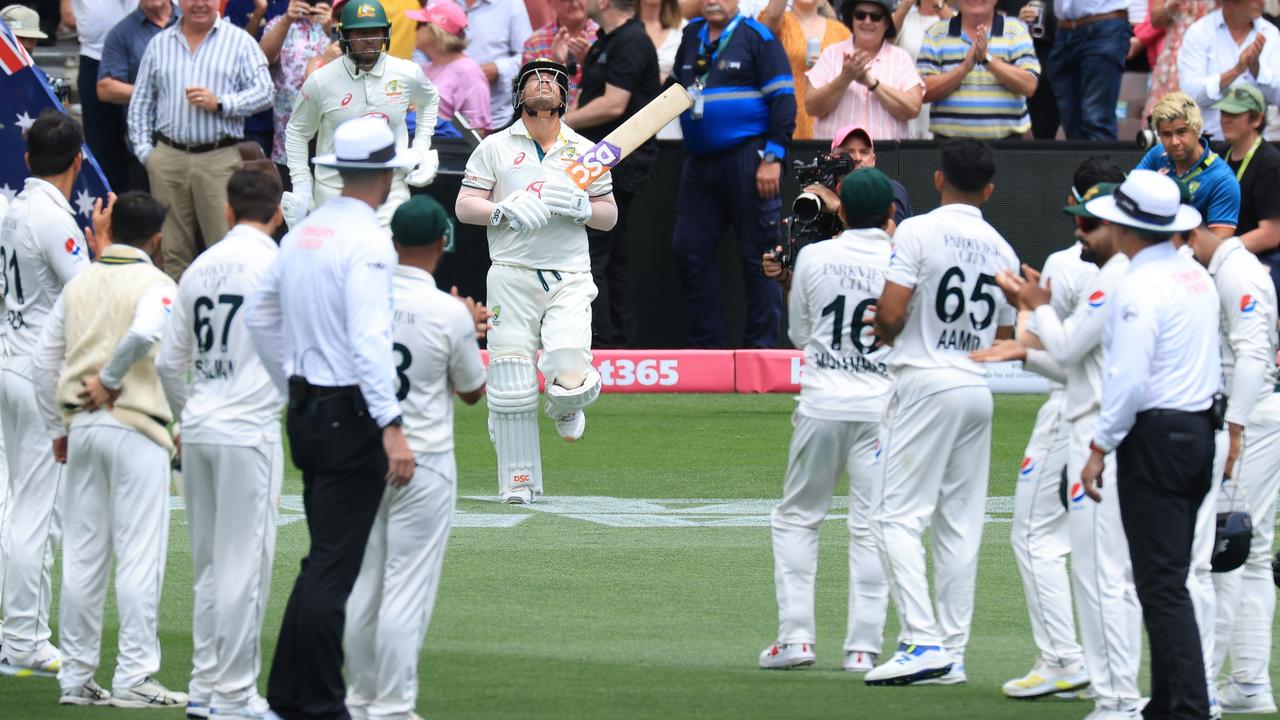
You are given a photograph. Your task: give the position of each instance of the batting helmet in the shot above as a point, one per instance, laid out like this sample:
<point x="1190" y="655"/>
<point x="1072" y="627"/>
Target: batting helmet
<point x="360" y="14"/>
<point x="539" y="65"/>
<point x="1231" y="541"/>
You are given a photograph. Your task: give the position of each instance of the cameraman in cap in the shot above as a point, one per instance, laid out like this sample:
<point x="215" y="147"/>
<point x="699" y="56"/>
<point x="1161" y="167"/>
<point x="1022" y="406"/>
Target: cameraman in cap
<point x="843" y="394"/>
<point x="1160" y="383"/>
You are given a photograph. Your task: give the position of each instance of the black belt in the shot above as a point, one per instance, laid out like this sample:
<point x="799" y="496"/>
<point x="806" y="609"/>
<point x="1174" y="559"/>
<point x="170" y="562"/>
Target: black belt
<point x="225" y="142"/>
<point x="303" y="394"/>
<point x="1165" y="412"/>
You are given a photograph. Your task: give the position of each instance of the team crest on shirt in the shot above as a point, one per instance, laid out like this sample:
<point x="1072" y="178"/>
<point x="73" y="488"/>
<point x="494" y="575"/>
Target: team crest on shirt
<point x="570" y="151"/>
<point x="1077" y="493"/>
<point x="73" y="248"/>
<point x="1192" y="187"/>
<point x="494" y="313"/>
<point x="1248" y="304"/>
<point x="1028" y="467"/>
<point x="1097" y="299"/>
<point x="366" y="11"/>
<point x="394" y="90"/>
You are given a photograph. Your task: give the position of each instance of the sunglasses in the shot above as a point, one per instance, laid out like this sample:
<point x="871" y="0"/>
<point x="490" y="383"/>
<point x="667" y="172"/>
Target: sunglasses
<point x="871" y="15"/>
<point x="1087" y="225"/>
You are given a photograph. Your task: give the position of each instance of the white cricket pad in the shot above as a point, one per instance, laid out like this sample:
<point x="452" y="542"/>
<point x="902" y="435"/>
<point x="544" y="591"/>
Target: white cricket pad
<point x="512" y="394"/>
<point x="561" y="402"/>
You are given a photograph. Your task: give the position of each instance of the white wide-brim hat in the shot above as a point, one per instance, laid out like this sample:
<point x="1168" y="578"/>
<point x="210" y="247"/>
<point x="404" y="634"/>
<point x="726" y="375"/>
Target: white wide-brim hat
<point x="366" y="143"/>
<point x="1146" y="200"/>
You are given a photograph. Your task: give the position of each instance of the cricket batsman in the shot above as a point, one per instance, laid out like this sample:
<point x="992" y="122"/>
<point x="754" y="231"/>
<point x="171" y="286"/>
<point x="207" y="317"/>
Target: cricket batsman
<point x="539" y="286"/>
<point x="365" y="82"/>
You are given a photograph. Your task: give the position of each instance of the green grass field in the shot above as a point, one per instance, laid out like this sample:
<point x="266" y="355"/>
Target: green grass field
<point x="638" y="610"/>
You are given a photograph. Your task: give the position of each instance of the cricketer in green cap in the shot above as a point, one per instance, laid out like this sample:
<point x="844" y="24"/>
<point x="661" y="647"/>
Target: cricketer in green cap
<point x="865" y="195"/>
<point x="363" y="32"/>
<point x="421" y="221"/>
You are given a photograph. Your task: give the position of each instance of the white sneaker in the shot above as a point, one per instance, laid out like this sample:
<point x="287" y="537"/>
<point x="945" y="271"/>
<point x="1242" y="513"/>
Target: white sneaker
<point x="147" y="694"/>
<point x="911" y="664"/>
<point x="785" y="657"/>
<point x="1215" y="708"/>
<point x="198" y="710"/>
<point x="518" y="496"/>
<point x="1235" y="699"/>
<point x="256" y="709"/>
<point x="572" y="425"/>
<point x="47" y="663"/>
<point x="1105" y="714"/>
<point x="954" y="676"/>
<point x="1045" y="679"/>
<point x="89" y="693"/>
<point x="859" y="661"/>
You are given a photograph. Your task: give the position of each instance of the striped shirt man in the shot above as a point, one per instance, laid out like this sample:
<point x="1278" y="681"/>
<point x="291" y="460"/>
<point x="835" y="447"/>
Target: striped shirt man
<point x="981" y="107"/>
<point x="228" y="62"/>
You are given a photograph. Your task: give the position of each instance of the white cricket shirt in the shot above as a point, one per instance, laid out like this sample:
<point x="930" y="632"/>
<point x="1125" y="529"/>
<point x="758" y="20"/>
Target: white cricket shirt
<point x="41" y="249"/>
<point x="950" y="258"/>
<point x="508" y="161"/>
<point x="229" y="399"/>
<point x="1065" y="274"/>
<point x="834" y="284"/>
<point x="436" y="353"/>
<point x="323" y="309"/>
<point x="1162" y="349"/>
<point x="1247" y="299"/>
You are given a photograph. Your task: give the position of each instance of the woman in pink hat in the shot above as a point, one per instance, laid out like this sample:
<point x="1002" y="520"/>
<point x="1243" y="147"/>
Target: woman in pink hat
<point x="442" y="38"/>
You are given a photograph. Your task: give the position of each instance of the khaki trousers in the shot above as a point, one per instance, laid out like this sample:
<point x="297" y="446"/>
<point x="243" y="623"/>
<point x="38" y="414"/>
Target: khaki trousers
<point x="194" y="187"/>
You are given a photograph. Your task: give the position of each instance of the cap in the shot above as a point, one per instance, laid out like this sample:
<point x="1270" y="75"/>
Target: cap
<point x="843" y="134"/>
<point x="358" y="14"/>
<point x="1242" y="98"/>
<point x="865" y="191"/>
<point x="419" y="221"/>
<point x="1099" y="190"/>
<point x="23" y="21"/>
<point x="846" y="14"/>
<point x="444" y="15"/>
<point x="366" y="143"/>
<point x="1146" y="200"/>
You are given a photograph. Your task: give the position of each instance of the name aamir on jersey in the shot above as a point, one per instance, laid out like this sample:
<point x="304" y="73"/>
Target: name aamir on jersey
<point x="957" y="339"/>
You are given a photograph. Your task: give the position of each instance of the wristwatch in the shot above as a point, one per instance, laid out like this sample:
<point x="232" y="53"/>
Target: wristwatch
<point x="987" y="59"/>
<point x="219" y="106"/>
<point x="397" y="421"/>
<point x="770" y="157"/>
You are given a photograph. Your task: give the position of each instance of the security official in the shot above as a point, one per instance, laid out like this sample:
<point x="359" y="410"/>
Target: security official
<point x="1159" y="414"/>
<point x="736" y="137"/>
<point x="322" y="318"/>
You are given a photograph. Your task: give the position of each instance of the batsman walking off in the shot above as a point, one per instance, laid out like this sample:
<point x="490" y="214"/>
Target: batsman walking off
<point x="539" y="287"/>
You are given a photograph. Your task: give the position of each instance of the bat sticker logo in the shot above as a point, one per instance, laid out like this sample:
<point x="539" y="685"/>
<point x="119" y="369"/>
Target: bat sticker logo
<point x="594" y="163"/>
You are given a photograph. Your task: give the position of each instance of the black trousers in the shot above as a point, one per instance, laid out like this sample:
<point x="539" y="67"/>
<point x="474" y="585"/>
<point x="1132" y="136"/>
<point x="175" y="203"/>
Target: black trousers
<point x="105" y="130"/>
<point x="1163" y="471"/>
<point x="338" y="447"/>
<point x="613" y="316"/>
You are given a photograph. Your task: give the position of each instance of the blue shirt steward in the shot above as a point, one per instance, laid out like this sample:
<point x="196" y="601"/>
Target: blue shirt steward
<point x="748" y="93"/>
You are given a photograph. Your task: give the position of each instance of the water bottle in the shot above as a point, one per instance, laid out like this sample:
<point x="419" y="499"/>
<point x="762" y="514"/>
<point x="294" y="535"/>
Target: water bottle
<point x="812" y="49"/>
<point x="1036" y="28"/>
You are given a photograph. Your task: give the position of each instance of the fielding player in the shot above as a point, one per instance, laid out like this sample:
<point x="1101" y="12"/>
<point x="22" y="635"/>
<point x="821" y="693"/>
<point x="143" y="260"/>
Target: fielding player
<point x="101" y="399"/>
<point x="1041" y="538"/>
<point x="1110" y="618"/>
<point x="940" y="303"/>
<point x="436" y="353"/>
<point x="366" y="82"/>
<point x="539" y="286"/>
<point x="232" y="460"/>
<point x="1245" y="599"/>
<point x="843" y="392"/>
<point x="42" y="249"/>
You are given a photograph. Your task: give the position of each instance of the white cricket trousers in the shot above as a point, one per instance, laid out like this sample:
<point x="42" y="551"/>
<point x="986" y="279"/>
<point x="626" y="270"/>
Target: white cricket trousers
<point x="545" y="309"/>
<point x="1107" y="603"/>
<point x="391" y="603"/>
<point x="116" y="502"/>
<point x="1246" y="596"/>
<point x="33" y="525"/>
<point x="936" y="446"/>
<point x="231" y="494"/>
<point x="1040" y="536"/>
<point x="822" y="451"/>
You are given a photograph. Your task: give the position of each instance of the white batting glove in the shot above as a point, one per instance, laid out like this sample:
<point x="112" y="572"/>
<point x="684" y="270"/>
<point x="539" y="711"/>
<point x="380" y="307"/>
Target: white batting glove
<point x="570" y="202"/>
<point x="296" y="205"/>
<point x="428" y="164"/>
<point x="523" y="210"/>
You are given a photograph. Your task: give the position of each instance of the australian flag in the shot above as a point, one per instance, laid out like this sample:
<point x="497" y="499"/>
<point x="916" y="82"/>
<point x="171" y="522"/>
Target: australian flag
<point x="27" y="94"/>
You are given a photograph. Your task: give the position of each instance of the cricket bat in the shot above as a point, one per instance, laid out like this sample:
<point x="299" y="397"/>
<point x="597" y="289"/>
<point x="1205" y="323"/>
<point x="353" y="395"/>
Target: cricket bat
<point x="633" y="133"/>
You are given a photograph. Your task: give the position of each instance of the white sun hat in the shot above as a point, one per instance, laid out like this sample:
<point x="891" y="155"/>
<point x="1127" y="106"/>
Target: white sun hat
<point x="1146" y="200"/>
<point x="366" y="143"/>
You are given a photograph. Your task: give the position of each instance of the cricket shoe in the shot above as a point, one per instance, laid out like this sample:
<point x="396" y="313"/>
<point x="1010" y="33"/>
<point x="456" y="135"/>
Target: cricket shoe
<point x="1044" y="679"/>
<point x="1234" y="698"/>
<point x="571" y="425"/>
<point x="954" y="676"/>
<point x="89" y="693"/>
<point x="256" y="709"/>
<point x="1215" y="707"/>
<point x="911" y="664"/>
<point x="785" y="657"/>
<point x="147" y="694"/>
<point x="1108" y="714"/>
<point x="518" y="496"/>
<point x="47" y="663"/>
<point x="198" y="710"/>
<point x="860" y="661"/>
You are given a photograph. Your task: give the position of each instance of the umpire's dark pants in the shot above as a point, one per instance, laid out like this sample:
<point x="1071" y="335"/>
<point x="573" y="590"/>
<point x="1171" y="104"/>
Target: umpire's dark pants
<point x="718" y="191"/>
<point x="338" y="447"/>
<point x="1163" y="471"/>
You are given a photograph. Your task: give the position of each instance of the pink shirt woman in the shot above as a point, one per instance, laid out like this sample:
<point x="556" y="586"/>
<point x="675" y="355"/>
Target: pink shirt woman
<point x="462" y="84"/>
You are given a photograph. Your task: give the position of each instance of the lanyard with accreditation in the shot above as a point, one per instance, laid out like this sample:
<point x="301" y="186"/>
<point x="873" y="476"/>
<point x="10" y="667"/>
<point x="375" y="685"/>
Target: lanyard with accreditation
<point x="706" y="60"/>
<point x="1247" y="157"/>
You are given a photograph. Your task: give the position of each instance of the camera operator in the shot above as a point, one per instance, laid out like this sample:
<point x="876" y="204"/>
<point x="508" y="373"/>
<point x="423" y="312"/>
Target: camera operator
<point x="814" y="212"/>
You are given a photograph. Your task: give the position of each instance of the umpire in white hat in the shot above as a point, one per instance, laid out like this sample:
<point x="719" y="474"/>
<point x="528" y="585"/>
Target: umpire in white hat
<point x="321" y="321"/>
<point x="1160" y="409"/>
